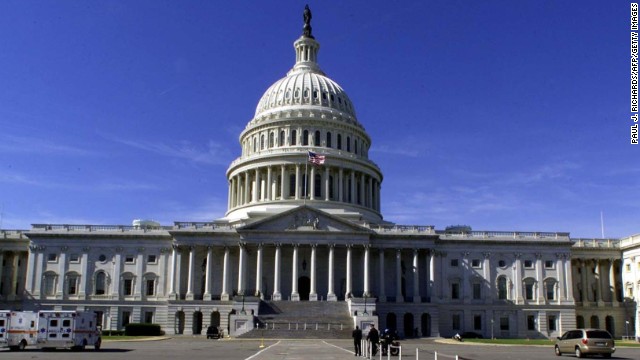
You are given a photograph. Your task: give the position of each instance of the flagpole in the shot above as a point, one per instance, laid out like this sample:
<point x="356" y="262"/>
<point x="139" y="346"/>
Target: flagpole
<point x="306" y="166"/>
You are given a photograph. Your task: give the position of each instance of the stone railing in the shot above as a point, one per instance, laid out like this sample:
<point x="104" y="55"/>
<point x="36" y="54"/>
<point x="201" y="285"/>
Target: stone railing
<point x="505" y="235"/>
<point x="402" y="229"/>
<point x="12" y="234"/>
<point x="97" y="228"/>
<point x="303" y="150"/>
<point x="189" y="225"/>
<point x="630" y="241"/>
<point x="596" y="243"/>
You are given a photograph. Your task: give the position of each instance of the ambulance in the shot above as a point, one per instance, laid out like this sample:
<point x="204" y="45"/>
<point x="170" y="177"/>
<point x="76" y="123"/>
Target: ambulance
<point x="18" y="329"/>
<point x="68" y="329"/>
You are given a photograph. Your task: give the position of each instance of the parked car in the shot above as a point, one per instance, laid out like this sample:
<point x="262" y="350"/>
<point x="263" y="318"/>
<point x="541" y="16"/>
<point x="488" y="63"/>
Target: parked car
<point x="213" y="332"/>
<point x="583" y="342"/>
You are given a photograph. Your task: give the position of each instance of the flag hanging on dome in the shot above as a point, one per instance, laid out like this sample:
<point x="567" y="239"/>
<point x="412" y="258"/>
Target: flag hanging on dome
<point x="315" y="158"/>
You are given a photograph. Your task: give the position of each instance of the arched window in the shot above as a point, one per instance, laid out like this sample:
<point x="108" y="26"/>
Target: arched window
<point x="502" y="288"/>
<point x="339" y="140"/>
<point x="355" y="146"/>
<point x="127" y="284"/>
<point x="305" y="138"/>
<point x="49" y="284"/>
<point x="595" y="322"/>
<point x="271" y="140"/>
<point x="294" y="135"/>
<point x="255" y="145"/>
<point x="316" y="138"/>
<point x="328" y="139"/>
<point x="292" y="185"/>
<point x="71" y="283"/>
<point x="281" y="140"/>
<point x="262" y="142"/>
<point x="149" y="284"/>
<point x="348" y="144"/>
<point x="101" y="283"/>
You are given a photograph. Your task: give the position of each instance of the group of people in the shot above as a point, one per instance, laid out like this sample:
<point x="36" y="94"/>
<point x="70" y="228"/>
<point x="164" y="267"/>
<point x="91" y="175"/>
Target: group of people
<point x="373" y="337"/>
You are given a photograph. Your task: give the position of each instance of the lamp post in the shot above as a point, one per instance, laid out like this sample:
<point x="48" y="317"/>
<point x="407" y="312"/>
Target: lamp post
<point x="243" y="312"/>
<point x="365" y="305"/>
<point x="492" y="330"/>
<point x="626" y="326"/>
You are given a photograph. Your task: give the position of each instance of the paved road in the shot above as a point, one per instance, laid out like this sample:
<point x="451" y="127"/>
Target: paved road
<point x="197" y="348"/>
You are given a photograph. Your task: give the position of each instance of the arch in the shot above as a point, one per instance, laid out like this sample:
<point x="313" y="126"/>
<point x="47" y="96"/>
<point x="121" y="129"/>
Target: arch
<point x="305" y="138"/>
<point x="71" y="282"/>
<point x="196" y="327"/>
<point x="271" y="140"/>
<point x="610" y="325"/>
<point x="100" y="282"/>
<point x="529" y="288"/>
<point x="408" y="325"/>
<point x="391" y="322"/>
<point x="329" y="139"/>
<point x="262" y="142"/>
<point x="294" y="135"/>
<point x="281" y="139"/>
<point x="339" y="142"/>
<point x="255" y="145"/>
<point x="316" y="138"/>
<point x="215" y="319"/>
<point x="304" y="287"/>
<point x="232" y="312"/>
<point x="348" y="144"/>
<point x="425" y="324"/>
<point x="580" y="322"/>
<point x="178" y="325"/>
<point x="594" y="322"/>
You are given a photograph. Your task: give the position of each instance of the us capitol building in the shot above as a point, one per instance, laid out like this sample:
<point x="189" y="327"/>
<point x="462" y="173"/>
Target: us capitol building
<point x="297" y="232"/>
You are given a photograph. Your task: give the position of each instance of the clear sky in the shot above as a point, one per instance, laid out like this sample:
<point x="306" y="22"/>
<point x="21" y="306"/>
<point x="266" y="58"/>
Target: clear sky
<point x="502" y="115"/>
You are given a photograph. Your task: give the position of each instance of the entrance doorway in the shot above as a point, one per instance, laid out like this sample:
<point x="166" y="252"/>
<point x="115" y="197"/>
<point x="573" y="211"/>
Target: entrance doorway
<point x="426" y="324"/>
<point x="304" y="287"/>
<point x="197" y="323"/>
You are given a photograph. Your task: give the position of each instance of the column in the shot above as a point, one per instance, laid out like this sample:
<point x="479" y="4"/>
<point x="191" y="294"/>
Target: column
<point x="30" y="269"/>
<point x="241" y="268"/>
<point x="568" y="277"/>
<point x="259" y="272"/>
<point x="562" y="291"/>
<point x="584" y="285"/>
<point x="312" y="183"/>
<point x="207" y="275"/>
<point x="37" y="273"/>
<point x="599" y="298"/>
<point x="62" y="263"/>
<point x="327" y="183"/>
<point x="172" y="278"/>
<point x="432" y="276"/>
<point x="139" y="274"/>
<point x="294" y="275"/>
<point x="313" y="295"/>
<point x="466" y="282"/>
<point x="366" y="271"/>
<point x="348" y="280"/>
<point x="283" y="181"/>
<point x="399" y="297"/>
<point x="1" y="268"/>
<point x="331" y="295"/>
<point x="382" y="297"/>
<point x="247" y="184"/>
<point x="488" y="276"/>
<point x="276" y="275"/>
<point x="354" y="197"/>
<point x="539" y="279"/>
<point x="256" y="187"/>
<point x="192" y="254"/>
<point x="612" y="281"/>
<point x="229" y="194"/>
<point x="362" y="191"/>
<point x="162" y="270"/>
<point x="269" y="182"/>
<point x="370" y="193"/>
<point x="517" y="278"/>
<point x="416" y="278"/>
<point x="224" y="296"/>
<point x="340" y="185"/>
<point x="117" y="272"/>
<point x="297" y="182"/>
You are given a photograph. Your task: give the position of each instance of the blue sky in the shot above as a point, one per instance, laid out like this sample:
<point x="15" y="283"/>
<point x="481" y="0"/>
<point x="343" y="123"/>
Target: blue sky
<point x="503" y="115"/>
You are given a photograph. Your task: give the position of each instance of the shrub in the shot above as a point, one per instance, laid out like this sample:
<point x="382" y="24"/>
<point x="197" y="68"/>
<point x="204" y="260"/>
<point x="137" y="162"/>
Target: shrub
<point x="112" y="332"/>
<point x="134" y="329"/>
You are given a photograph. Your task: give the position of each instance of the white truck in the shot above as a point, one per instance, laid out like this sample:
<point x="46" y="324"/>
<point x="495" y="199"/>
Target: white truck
<point x="68" y="329"/>
<point x="18" y="329"/>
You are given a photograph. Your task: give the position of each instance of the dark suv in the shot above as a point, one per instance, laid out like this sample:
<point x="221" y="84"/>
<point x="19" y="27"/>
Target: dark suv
<point x="213" y="332"/>
<point x="583" y="342"/>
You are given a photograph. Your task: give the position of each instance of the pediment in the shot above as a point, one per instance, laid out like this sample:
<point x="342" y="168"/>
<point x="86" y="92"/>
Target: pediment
<point x="303" y="219"/>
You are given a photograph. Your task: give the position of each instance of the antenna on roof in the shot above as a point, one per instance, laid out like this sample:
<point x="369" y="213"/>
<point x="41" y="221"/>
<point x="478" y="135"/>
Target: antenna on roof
<point x="602" y="223"/>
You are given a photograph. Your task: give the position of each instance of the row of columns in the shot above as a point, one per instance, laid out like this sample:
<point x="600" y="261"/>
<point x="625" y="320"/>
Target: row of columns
<point x="313" y="295"/>
<point x="10" y="279"/>
<point x="592" y="284"/>
<point x="251" y="187"/>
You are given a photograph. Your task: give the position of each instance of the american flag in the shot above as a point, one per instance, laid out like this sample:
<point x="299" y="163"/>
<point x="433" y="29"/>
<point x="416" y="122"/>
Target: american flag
<point x="315" y="158"/>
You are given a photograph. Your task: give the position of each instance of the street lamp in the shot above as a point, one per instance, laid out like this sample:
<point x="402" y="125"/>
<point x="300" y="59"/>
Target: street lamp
<point x="243" y="312"/>
<point x="492" y="330"/>
<point x="365" y="305"/>
<point x="626" y="326"/>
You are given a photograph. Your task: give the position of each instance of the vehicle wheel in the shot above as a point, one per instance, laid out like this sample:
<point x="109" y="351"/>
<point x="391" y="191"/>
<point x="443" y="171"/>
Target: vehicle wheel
<point x="22" y="345"/>
<point x="558" y="352"/>
<point x="97" y="345"/>
<point x="579" y="352"/>
<point x="395" y="351"/>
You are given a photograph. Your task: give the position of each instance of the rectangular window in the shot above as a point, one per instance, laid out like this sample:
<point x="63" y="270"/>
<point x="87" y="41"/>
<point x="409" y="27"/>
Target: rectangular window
<point x="477" y="291"/>
<point x="152" y="259"/>
<point x="128" y="286"/>
<point x="528" y="264"/>
<point x="53" y="323"/>
<point x="454" y="262"/>
<point x="126" y="318"/>
<point x="528" y="291"/>
<point x="551" y="322"/>
<point x="52" y="257"/>
<point x="49" y="285"/>
<point x="99" y="316"/>
<point x="531" y="322"/>
<point x="66" y="323"/>
<point x="548" y="264"/>
<point x="150" y="290"/>
<point x="72" y="286"/>
<point x="476" y="264"/>
<point x="148" y="317"/>
<point x="129" y="259"/>
<point x="455" y="291"/>
<point x="551" y="293"/>
<point x="504" y="323"/>
<point x="477" y="322"/>
<point x="455" y="321"/>
<point x="74" y="258"/>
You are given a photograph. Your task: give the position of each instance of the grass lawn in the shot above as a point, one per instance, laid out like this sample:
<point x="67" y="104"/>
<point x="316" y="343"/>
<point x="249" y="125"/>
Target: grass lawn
<point x="625" y="343"/>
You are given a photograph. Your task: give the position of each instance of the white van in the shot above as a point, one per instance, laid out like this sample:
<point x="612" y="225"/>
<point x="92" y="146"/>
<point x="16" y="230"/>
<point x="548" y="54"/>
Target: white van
<point x="68" y="329"/>
<point x="18" y="329"/>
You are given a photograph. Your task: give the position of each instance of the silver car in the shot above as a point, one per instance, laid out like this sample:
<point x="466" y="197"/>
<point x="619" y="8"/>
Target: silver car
<point x="583" y="342"/>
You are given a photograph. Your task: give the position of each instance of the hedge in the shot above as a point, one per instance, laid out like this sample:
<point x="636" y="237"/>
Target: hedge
<point x="134" y="329"/>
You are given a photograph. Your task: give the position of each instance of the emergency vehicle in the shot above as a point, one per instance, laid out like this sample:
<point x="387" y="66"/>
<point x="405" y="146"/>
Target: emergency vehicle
<point x="18" y="329"/>
<point x="68" y="329"/>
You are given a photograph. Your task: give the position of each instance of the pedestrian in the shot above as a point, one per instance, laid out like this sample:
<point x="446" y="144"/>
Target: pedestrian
<point x="357" y="341"/>
<point x="373" y="338"/>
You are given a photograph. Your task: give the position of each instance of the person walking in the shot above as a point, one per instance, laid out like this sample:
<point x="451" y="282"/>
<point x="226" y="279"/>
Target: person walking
<point x="374" y="338"/>
<point x="357" y="341"/>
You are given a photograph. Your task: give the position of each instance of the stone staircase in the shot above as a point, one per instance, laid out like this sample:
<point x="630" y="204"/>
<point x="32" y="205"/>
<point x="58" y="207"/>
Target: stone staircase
<point x="302" y="320"/>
